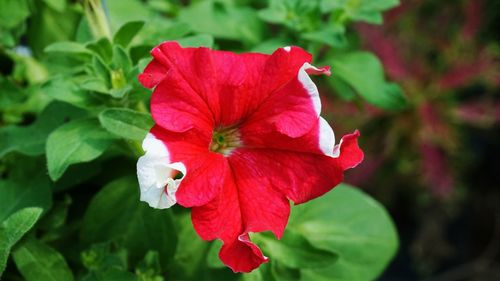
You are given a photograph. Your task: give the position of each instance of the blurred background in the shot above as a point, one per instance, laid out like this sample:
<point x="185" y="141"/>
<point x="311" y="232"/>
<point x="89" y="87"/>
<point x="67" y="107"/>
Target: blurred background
<point x="420" y="79"/>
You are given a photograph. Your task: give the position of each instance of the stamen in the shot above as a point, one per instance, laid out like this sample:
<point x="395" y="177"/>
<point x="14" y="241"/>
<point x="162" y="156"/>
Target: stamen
<point x="225" y="140"/>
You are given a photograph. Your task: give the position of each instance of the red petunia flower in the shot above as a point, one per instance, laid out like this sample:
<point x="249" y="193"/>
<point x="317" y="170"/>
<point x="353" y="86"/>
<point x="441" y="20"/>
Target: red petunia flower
<point x="236" y="137"/>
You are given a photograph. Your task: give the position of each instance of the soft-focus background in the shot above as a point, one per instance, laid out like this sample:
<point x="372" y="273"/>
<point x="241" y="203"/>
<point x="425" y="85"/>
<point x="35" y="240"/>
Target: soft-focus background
<point x="420" y="79"/>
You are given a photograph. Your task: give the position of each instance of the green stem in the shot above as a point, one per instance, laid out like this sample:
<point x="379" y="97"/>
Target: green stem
<point x="97" y="19"/>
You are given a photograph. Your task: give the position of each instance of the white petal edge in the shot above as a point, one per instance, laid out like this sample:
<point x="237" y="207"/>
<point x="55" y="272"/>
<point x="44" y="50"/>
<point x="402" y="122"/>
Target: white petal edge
<point x="309" y="86"/>
<point x="326" y="138"/>
<point x="326" y="134"/>
<point x="155" y="174"/>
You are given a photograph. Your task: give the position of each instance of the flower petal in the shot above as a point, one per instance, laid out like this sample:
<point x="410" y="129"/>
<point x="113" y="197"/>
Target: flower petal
<point x="242" y="255"/>
<point x="293" y="109"/>
<point x="155" y="173"/>
<point x="176" y="107"/>
<point x="319" y="140"/>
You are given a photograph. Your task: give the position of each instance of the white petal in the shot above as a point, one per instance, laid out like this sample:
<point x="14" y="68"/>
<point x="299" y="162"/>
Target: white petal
<point x="326" y="137"/>
<point x="155" y="172"/>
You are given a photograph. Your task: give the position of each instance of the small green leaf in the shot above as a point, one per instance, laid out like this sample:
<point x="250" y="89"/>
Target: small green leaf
<point x="121" y="59"/>
<point x="352" y="225"/>
<point x="75" y="142"/>
<point x="13" y="228"/>
<point x="127" y="32"/>
<point x="67" y="47"/>
<point x="364" y="72"/>
<point x="39" y="262"/>
<point x="126" y="123"/>
<point x="115" y="213"/>
<point x="103" y="48"/>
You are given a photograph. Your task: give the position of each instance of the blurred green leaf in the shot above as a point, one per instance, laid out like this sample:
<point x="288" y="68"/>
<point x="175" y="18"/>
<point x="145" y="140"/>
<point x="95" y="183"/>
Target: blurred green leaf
<point x="13" y="228"/>
<point x="39" y="262"/>
<point x="65" y="89"/>
<point x="58" y="5"/>
<point x="294" y="251"/>
<point x="30" y="140"/>
<point x="126" y="123"/>
<point x="13" y="12"/>
<point x="103" y="48"/>
<point x="223" y="20"/>
<point x="352" y="225"/>
<point x="77" y="141"/>
<point x="112" y="274"/>
<point x="48" y="25"/>
<point x="127" y="32"/>
<point x="115" y="213"/>
<point x="359" y="10"/>
<point x="68" y="47"/>
<point x="201" y="40"/>
<point x="364" y="72"/>
<point x="18" y="194"/>
<point x="213" y="260"/>
<point x="190" y="258"/>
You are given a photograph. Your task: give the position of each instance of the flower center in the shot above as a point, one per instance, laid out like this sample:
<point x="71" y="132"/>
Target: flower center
<point x="225" y="140"/>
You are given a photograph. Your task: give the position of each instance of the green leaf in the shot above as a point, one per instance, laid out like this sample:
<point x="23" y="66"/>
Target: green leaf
<point x="352" y="225"/>
<point x="127" y="32"/>
<point x="75" y="142"/>
<point x="294" y="251"/>
<point x="39" y="262"/>
<point x="18" y="194"/>
<point x="103" y="48"/>
<point x="115" y="213"/>
<point x="213" y="260"/>
<point x="13" y="228"/>
<point x="359" y="10"/>
<point x="58" y="5"/>
<point x="364" y="72"/>
<point x="13" y="12"/>
<point x="30" y="140"/>
<point x="126" y="123"/>
<point x="190" y="255"/>
<point x="200" y="40"/>
<point x="223" y="20"/>
<point x="64" y="89"/>
<point x="68" y="47"/>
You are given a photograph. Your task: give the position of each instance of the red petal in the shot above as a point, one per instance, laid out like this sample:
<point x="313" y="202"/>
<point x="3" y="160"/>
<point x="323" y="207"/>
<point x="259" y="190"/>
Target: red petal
<point x="153" y="74"/>
<point x="176" y="107"/>
<point x="350" y="153"/>
<point x="242" y="255"/>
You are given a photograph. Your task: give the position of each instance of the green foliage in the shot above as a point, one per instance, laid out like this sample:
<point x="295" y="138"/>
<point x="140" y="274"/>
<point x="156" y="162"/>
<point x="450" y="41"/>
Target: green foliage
<point x="344" y="235"/>
<point x="126" y="123"/>
<point x="71" y="108"/>
<point x="13" y="228"/>
<point x="77" y="141"/>
<point x="39" y="262"/>
<point x="363" y="72"/>
<point x="115" y="213"/>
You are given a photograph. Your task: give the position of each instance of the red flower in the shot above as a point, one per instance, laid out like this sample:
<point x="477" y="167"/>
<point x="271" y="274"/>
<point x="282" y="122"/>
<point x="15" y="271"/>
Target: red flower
<point x="244" y="130"/>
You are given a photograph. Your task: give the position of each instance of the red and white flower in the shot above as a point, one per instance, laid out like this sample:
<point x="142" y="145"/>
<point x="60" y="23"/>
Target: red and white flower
<point x="244" y="132"/>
